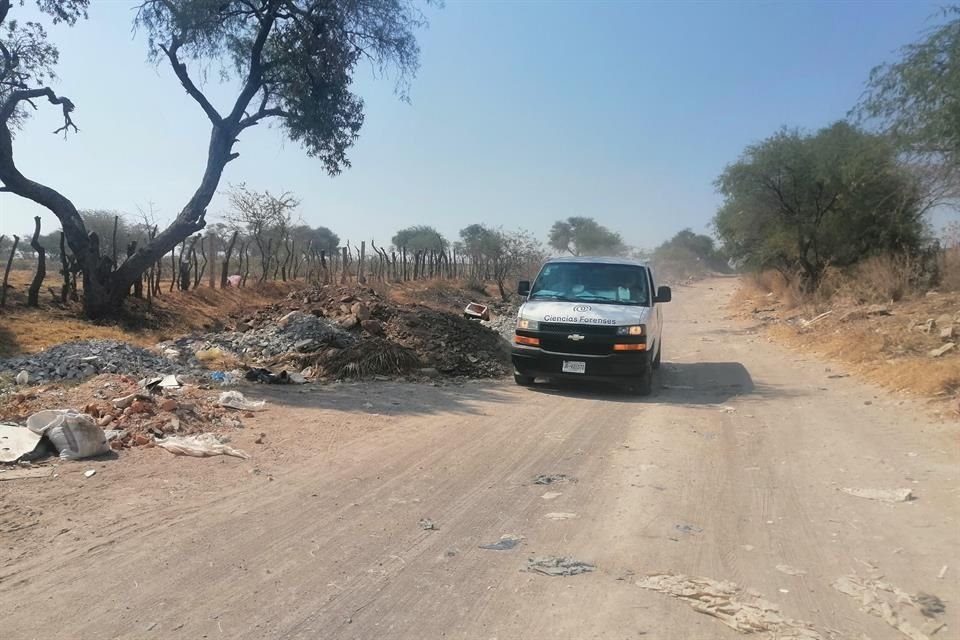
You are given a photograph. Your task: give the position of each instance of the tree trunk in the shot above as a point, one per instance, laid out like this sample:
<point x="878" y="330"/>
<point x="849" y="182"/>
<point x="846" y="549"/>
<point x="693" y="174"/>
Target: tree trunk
<point x="6" y="274"/>
<point x="33" y="295"/>
<point x="113" y="247"/>
<point x="225" y="271"/>
<point x="361" y="277"/>
<point x="64" y="271"/>
<point x="173" y="267"/>
<point x="198" y="271"/>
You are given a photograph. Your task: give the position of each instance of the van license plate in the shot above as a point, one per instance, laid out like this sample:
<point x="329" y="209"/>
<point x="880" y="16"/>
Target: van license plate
<point x="573" y="366"/>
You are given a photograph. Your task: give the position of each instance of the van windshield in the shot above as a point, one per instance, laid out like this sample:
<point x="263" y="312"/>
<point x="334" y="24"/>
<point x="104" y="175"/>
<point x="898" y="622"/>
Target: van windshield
<point x="592" y="282"/>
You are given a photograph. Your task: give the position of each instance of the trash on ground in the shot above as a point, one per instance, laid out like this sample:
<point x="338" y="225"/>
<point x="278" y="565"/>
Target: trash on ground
<point x="728" y="409"/>
<point x="27" y="472"/>
<point x="688" y="529"/>
<point x="23" y="378"/>
<point x="558" y="566"/>
<point x="561" y="515"/>
<point x="943" y="572"/>
<point x="881" y="495"/>
<point x="200" y="446"/>
<point x="74" y="435"/>
<point x="744" y="610"/>
<point x="89" y="473"/>
<point x="428" y="525"/>
<point x="910" y="615"/>
<point x="790" y="571"/>
<point x="236" y="400"/>
<point x="550" y="495"/>
<point x="265" y="376"/>
<point x="477" y="311"/>
<point x="553" y="478"/>
<point x="16" y="442"/>
<point x="505" y="543"/>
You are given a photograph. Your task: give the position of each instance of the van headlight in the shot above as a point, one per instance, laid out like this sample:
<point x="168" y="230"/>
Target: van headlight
<point x="528" y="325"/>
<point x="631" y="330"/>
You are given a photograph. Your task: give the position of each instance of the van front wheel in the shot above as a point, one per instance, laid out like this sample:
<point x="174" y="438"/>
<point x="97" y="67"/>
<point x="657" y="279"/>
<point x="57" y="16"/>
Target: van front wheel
<point x="644" y="383"/>
<point x="656" y="359"/>
<point x="522" y="380"/>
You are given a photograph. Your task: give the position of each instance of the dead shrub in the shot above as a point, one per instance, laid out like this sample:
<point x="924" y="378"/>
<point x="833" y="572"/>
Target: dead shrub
<point x="373" y="357"/>
<point x="950" y="269"/>
<point x="883" y="279"/>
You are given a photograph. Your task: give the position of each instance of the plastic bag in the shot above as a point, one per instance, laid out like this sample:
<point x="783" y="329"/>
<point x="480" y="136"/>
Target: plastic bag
<point x="236" y="400"/>
<point x="75" y="435"/>
<point x="200" y="446"/>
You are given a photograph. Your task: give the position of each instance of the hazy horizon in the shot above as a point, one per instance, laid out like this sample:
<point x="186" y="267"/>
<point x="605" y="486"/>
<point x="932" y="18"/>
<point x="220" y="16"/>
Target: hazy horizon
<point x="522" y="114"/>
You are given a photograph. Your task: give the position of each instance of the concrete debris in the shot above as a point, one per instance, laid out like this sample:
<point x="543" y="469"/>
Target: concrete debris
<point x="942" y="351"/>
<point x="790" y="571"/>
<point x="236" y="400"/>
<point x="947" y="333"/>
<point x="550" y="495"/>
<point x="428" y="525"/>
<point x="505" y="543"/>
<point x="910" y="615"/>
<point x="16" y="442"/>
<point x="561" y="515"/>
<point x="89" y="473"/>
<point x="23" y="378"/>
<point x="743" y="610"/>
<point x="558" y="566"/>
<point x="476" y="311"/>
<point x="200" y="446"/>
<point x="881" y="495"/>
<point x="553" y="478"/>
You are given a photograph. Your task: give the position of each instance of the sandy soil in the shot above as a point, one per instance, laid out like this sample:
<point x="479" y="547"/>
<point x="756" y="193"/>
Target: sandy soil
<point x="735" y="466"/>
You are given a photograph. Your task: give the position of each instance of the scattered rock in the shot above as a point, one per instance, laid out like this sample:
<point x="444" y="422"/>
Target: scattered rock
<point x="505" y="543"/>
<point x="372" y="327"/>
<point x="941" y="351"/>
<point x="947" y="333"/>
<point x="881" y="495"/>
<point x="349" y="322"/>
<point x="553" y="478"/>
<point x="89" y="473"/>
<point x="169" y="405"/>
<point x="558" y="566"/>
<point x="428" y="525"/>
<point x="361" y="311"/>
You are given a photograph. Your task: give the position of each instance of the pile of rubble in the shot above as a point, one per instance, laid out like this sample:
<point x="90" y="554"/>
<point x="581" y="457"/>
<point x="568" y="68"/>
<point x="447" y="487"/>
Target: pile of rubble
<point x="261" y="339"/>
<point x="129" y="414"/>
<point x="445" y="342"/>
<point x="79" y="360"/>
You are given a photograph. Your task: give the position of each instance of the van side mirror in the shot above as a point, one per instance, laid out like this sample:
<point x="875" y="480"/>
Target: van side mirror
<point x="664" y="294"/>
<point x="523" y="287"/>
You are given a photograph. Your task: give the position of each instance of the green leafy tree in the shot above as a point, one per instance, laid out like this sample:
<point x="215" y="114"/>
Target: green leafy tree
<point x="419" y="238"/>
<point x="688" y="254"/>
<point x="798" y="202"/>
<point x="585" y="237"/>
<point x="293" y="62"/>
<point x="916" y="100"/>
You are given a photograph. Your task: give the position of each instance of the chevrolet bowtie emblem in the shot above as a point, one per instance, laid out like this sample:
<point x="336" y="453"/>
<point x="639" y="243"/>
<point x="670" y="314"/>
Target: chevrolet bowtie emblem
<point x="576" y="337"/>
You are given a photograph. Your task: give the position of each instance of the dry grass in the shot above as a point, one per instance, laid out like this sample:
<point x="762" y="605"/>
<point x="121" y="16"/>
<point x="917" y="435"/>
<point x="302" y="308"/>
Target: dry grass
<point x="24" y="330"/>
<point x="886" y="349"/>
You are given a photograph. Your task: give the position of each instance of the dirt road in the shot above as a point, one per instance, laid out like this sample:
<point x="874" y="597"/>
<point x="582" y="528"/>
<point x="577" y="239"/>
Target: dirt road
<point x="735" y="466"/>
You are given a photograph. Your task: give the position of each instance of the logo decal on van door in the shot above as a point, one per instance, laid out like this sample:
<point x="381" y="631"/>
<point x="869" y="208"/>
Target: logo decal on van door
<point x="580" y="308"/>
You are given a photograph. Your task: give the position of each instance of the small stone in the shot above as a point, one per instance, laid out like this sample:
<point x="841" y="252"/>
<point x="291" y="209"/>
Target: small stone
<point x="285" y="320"/>
<point x="140" y="439"/>
<point x="360" y="310"/>
<point x="430" y="372"/>
<point x="89" y="473"/>
<point x="947" y="333"/>
<point x="372" y="327"/>
<point x="140" y="406"/>
<point x="349" y="322"/>
<point x="945" y="349"/>
<point x="105" y="420"/>
<point x="92" y="410"/>
<point x="169" y="405"/>
<point x="23" y="378"/>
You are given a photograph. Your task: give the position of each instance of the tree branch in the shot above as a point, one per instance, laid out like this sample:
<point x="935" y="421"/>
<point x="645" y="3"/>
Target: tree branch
<point x="26" y="95"/>
<point x="254" y="80"/>
<point x="180" y="69"/>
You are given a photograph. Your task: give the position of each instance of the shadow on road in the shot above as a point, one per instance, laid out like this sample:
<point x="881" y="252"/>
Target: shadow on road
<point x="384" y="398"/>
<point x="695" y="383"/>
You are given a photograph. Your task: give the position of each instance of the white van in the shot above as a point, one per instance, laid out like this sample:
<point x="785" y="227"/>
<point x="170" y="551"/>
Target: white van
<point x="591" y="319"/>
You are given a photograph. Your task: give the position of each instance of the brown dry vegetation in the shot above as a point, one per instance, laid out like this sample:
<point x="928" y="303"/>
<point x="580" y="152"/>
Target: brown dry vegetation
<point x="891" y="350"/>
<point x="24" y="330"/>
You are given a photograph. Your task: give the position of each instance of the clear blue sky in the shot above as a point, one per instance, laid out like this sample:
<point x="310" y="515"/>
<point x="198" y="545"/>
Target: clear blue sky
<point x="522" y="113"/>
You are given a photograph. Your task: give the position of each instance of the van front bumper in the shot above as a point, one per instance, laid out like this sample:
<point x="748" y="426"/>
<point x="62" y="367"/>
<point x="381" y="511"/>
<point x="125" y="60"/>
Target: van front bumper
<point x="537" y="363"/>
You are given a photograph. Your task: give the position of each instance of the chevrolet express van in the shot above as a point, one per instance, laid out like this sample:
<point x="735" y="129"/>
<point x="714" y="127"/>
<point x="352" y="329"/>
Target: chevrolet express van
<point x="595" y="319"/>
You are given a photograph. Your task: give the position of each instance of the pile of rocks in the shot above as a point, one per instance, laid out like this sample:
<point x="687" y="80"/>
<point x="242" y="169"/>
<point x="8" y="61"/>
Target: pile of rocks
<point x="83" y="359"/>
<point x="294" y="332"/>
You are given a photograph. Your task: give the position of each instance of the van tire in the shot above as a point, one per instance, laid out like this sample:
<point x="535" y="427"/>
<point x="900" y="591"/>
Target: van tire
<point x="522" y="380"/>
<point x="656" y="359"/>
<point x="644" y="384"/>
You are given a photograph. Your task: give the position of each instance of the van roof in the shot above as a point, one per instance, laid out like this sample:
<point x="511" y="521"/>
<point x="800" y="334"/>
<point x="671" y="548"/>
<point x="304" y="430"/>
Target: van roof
<point x="599" y="260"/>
